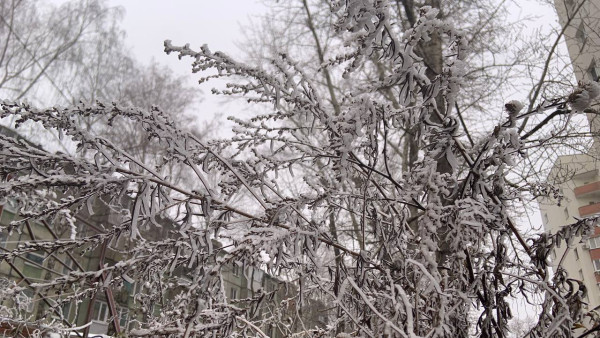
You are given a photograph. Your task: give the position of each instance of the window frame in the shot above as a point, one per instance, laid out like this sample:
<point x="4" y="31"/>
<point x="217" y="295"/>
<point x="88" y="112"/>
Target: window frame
<point x="123" y="321"/>
<point x="235" y="270"/>
<point x="596" y="263"/>
<point x="36" y="258"/>
<point x="65" y="310"/>
<point x="594" y="243"/>
<point x="97" y="316"/>
<point x="31" y="295"/>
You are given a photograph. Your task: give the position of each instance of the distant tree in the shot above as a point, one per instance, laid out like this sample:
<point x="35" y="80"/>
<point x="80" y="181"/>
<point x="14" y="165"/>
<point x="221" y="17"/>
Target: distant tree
<point x="306" y="29"/>
<point x="76" y="52"/>
<point x="438" y="240"/>
<point x="149" y="87"/>
<point x="41" y="43"/>
<point x="501" y="61"/>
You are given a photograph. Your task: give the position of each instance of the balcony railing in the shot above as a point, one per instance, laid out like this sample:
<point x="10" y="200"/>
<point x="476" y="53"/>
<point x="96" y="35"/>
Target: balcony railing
<point x="587" y="189"/>
<point x="591" y="209"/>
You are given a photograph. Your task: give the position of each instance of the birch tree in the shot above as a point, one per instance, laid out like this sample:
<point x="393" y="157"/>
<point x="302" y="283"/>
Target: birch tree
<point x="305" y="29"/>
<point x="41" y="43"/>
<point x="438" y="239"/>
<point x="77" y="52"/>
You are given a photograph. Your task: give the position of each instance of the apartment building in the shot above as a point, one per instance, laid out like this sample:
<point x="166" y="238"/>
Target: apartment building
<point x="581" y="19"/>
<point x="577" y="176"/>
<point x="239" y="282"/>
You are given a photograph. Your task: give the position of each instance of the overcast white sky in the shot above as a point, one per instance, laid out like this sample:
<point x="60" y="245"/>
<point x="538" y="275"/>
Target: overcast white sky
<point x="216" y="23"/>
<point x="149" y="22"/>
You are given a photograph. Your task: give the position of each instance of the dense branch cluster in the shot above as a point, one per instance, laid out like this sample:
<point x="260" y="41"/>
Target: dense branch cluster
<point x="310" y="193"/>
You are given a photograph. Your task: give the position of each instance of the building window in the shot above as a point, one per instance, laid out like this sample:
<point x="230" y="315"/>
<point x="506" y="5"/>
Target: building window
<point x="100" y="312"/>
<point x="5" y="216"/>
<point x="32" y="272"/>
<point x="233" y="293"/>
<point x="123" y="317"/>
<point x="236" y="269"/>
<point x="597" y="265"/>
<point x="66" y="309"/>
<point x="30" y="294"/>
<point x="581" y="34"/>
<point x="594" y="243"/>
<point x="70" y="266"/>
<point x="129" y="287"/>
<point x="36" y="257"/>
<point x="593" y="71"/>
<point x="30" y="269"/>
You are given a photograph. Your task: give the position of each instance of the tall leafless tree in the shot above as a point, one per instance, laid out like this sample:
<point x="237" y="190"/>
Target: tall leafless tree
<point x="437" y="237"/>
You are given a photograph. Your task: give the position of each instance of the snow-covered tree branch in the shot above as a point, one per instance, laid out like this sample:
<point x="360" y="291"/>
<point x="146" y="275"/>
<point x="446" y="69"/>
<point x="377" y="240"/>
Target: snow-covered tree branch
<point x="309" y="191"/>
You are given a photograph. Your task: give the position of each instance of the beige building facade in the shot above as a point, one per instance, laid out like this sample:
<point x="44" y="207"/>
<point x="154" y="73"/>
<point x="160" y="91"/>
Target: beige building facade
<point x="581" y="22"/>
<point x="578" y="176"/>
<point x="578" y="179"/>
<point x="239" y="282"/>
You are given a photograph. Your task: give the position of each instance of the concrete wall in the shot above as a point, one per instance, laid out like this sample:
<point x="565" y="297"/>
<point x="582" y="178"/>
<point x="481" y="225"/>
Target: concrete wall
<point x="569" y="173"/>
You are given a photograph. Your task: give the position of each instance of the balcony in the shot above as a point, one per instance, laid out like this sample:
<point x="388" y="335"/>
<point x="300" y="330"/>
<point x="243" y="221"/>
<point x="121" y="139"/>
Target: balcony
<point x="587" y="189"/>
<point x="591" y="209"/>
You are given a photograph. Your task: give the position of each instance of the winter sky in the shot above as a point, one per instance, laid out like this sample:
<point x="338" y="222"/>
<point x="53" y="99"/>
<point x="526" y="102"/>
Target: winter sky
<point x="215" y="23"/>
<point x="218" y="24"/>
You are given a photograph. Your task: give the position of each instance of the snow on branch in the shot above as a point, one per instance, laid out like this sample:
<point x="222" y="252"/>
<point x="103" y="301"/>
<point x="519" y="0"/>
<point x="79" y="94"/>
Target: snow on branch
<point x="308" y="192"/>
